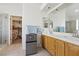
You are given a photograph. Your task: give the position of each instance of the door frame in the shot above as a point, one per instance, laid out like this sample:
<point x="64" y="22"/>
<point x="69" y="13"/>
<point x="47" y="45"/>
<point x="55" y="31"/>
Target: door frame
<point x="11" y="28"/>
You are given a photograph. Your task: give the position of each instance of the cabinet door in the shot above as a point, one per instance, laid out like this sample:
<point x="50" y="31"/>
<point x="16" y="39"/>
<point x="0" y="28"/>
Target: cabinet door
<point x="44" y="41"/>
<point x="51" y="45"/>
<point x="71" y="49"/>
<point x="59" y="48"/>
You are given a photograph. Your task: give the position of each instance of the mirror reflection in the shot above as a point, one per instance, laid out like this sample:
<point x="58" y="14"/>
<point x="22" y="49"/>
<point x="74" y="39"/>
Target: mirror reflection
<point x="64" y="19"/>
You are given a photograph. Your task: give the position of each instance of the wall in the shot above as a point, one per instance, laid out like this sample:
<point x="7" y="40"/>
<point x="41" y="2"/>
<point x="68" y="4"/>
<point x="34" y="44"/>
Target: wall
<point x="31" y="16"/>
<point x="11" y="8"/>
<point x="30" y="12"/>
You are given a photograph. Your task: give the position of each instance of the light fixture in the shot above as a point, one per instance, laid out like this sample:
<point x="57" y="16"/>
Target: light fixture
<point x="76" y="10"/>
<point x="49" y="7"/>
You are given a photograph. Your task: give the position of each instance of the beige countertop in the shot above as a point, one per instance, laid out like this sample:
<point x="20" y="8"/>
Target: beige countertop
<point x="64" y="36"/>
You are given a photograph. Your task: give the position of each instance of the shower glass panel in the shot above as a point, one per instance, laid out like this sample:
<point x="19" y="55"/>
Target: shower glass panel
<point x="4" y="29"/>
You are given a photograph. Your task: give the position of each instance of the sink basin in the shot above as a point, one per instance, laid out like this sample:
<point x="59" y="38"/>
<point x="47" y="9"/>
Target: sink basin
<point x="66" y="37"/>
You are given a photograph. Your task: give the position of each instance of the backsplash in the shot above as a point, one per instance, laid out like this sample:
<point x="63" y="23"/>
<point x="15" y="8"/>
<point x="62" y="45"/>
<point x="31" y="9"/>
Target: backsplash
<point x="34" y="29"/>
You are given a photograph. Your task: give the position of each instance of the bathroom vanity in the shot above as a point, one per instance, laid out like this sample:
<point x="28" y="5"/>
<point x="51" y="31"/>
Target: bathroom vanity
<point x="58" y="44"/>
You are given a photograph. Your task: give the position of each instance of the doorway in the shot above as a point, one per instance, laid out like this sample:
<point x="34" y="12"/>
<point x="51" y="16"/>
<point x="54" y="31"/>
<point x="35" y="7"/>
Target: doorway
<point x="16" y="29"/>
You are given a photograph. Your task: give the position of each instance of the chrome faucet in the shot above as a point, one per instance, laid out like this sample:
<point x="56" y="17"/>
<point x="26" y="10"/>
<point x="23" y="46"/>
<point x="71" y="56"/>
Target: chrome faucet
<point x="76" y="33"/>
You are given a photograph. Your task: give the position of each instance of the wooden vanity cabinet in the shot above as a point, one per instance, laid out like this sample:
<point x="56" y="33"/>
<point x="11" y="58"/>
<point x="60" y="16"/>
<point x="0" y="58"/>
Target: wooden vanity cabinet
<point x="51" y="45"/>
<point x="44" y="41"/>
<point x="60" y="48"/>
<point x="71" y="49"/>
<point x="54" y="46"/>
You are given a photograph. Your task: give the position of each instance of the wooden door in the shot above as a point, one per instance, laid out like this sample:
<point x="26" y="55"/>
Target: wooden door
<point x="59" y="48"/>
<point x="71" y="49"/>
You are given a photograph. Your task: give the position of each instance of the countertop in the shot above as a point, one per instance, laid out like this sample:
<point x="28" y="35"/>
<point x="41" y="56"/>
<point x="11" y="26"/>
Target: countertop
<point x="67" y="37"/>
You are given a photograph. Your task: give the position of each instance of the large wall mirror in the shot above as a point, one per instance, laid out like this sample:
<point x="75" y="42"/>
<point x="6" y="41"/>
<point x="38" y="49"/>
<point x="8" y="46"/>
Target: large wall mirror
<point x="48" y="23"/>
<point x="72" y="18"/>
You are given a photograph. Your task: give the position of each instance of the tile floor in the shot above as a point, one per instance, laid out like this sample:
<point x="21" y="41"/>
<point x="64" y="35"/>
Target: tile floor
<point x="16" y="50"/>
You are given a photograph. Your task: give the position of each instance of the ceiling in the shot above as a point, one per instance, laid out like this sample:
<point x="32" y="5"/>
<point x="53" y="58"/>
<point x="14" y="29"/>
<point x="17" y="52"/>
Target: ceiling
<point x="73" y="10"/>
<point x="49" y="6"/>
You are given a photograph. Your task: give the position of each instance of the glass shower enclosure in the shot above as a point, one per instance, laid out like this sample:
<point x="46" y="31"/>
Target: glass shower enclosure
<point x="4" y="30"/>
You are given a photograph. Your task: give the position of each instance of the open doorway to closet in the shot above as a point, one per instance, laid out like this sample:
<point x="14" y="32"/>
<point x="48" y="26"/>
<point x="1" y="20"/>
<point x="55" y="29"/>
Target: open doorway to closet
<point x="16" y="29"/>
